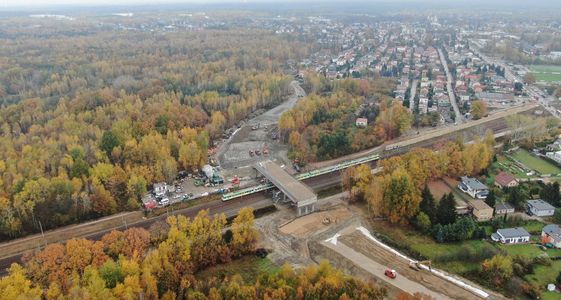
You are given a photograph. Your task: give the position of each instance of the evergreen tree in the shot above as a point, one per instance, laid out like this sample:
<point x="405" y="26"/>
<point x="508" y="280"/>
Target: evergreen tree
<point x="427" y="204"/>
<point x="517" y="196"/>
<point x="491" y="198"/>
<point x="446" y="211"/>
<point x="551" y="194"/>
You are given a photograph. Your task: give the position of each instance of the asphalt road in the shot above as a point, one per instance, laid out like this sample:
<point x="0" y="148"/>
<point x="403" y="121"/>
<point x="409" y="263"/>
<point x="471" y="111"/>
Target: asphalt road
<point x="449" y="88"/>
<point x="412" y="94"/>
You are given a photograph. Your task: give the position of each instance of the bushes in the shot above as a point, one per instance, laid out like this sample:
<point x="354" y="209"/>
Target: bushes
<point x="461" y="230"/>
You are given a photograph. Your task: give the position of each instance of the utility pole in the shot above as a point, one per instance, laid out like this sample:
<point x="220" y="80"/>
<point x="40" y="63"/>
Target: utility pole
<point x="42" y="233"/>
<point x="124" y="222"/>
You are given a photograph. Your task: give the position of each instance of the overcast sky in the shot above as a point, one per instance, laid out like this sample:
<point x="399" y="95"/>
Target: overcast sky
<point x="112" y="2"/>
<point x="42" y="3"/>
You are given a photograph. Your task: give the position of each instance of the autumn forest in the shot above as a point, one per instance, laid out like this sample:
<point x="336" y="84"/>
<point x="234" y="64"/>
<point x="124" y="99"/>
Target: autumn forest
<point x="90" y="117"/>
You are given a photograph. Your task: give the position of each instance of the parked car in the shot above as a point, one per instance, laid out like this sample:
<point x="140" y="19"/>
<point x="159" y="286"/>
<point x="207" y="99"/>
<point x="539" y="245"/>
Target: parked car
<point x="164" y="202"/>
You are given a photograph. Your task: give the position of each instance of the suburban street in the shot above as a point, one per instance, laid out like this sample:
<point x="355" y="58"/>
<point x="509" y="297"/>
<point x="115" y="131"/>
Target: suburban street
<point x="450" y="88"/>
<point x="413" y="93"/>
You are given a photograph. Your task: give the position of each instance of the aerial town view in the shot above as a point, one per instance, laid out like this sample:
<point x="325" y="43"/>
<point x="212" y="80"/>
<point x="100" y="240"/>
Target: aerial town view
<point x="280" y="149"/>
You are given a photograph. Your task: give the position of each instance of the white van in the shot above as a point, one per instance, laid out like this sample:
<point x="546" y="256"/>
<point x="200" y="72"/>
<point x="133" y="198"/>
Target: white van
<point x="164" y="202"/>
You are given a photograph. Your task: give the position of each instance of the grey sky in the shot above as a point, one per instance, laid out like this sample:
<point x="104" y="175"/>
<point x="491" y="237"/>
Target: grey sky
<point x="103" y="2"/>
<point x="106" y="2"/>
<point x="42" y="3"/>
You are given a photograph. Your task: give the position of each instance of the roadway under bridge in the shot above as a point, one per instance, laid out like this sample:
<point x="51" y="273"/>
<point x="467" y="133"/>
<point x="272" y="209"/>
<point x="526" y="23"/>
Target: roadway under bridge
<point x="300" y="194"/>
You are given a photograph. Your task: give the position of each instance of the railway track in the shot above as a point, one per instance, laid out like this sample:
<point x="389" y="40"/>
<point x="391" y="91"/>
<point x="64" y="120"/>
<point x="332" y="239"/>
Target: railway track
<point x="12" y="251"/>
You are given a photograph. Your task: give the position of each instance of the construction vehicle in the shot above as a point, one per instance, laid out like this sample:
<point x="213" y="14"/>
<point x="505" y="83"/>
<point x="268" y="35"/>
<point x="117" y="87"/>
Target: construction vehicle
<point x="416" y="265"/>
<point x="257" y="152"/>
<point x="251" y="153"/>
<point x="198" y="182"/>
<point x="326" y="221"/>
<point x="391" y="273"/>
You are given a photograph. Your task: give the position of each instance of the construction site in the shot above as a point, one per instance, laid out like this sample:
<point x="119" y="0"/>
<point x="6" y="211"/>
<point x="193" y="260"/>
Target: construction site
<point x="337" y="232"/>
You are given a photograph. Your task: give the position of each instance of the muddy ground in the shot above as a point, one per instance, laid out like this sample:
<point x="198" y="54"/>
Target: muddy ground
<point x="305" y="240"/>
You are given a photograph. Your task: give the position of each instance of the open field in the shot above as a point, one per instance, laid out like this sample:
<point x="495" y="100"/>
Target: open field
<point x="546" y="73"/>
<point x="535" y="163"/>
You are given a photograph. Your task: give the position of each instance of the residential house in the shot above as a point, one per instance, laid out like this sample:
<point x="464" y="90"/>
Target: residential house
<point x="480" y="210"/>
<point x="539" y="208"/>
<point x="473" y="187"/>
<point x="555" y="156"/>
<point x="160" y="188"/>
<point x="555" y="146"/>
<point x="503" y="208"/>
<point x="551" y="234"/>
<point x="504" y="179"/>
<point x="361" y="122"/>
<point x="511" y="236"/>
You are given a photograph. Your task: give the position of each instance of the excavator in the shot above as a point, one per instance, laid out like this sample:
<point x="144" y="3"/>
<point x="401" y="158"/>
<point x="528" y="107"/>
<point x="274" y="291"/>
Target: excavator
<point x="416" y="265"/>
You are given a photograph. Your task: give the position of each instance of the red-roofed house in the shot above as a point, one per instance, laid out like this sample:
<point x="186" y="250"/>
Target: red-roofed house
<point x="504" y="179"/>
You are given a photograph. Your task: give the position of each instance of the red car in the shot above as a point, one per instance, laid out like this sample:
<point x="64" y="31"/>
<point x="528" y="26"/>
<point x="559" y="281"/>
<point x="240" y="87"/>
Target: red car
<point x="390" y="273"/>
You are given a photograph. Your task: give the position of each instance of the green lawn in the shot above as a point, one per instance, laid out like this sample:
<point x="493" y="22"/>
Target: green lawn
<point x="249" y="267"/>
<point x="546" y="73"/>
<point x="534" y="227"/>
<point x="544" y="275"/>
<point x="536" y="163"/>
<point x="526" y="250"/>
<point x="551" y="296"/>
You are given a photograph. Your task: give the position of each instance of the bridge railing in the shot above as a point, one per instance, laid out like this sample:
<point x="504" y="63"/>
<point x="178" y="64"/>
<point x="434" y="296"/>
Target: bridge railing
<point x="302" y="176"/>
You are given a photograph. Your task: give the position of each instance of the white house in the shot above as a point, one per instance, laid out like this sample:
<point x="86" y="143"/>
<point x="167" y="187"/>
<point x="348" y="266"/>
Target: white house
<point x="556" y="156"/>
<point x="473" y="187"/>
<point x="539" y="208"/>
<point x="160" y="188"/>
<point x="361" y="122"/>
<point x="511" y="236"/>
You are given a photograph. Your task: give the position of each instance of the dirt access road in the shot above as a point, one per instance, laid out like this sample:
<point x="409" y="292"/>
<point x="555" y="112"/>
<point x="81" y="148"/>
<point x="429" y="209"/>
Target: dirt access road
<point x="356" y="247"/>
<point x="376" y="269"/>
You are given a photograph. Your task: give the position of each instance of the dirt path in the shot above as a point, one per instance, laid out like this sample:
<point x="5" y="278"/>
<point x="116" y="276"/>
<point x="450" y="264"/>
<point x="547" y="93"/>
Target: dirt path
<point x="376" y="269"/>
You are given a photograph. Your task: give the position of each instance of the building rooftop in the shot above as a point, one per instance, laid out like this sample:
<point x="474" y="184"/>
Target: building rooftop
<point x="479" y="205"/>
<point x="513" y="232"/>
<point x="503" y="206"/>
<point x="553" y="230"/>
<point x="539" y="204"/>
<point x="504" y="178"/>
<point x="473" y="183"/>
